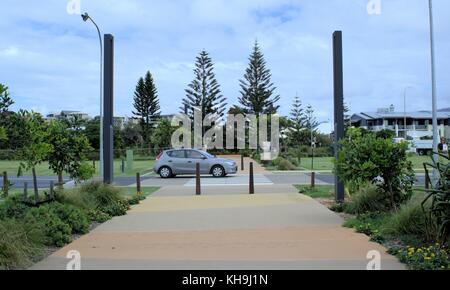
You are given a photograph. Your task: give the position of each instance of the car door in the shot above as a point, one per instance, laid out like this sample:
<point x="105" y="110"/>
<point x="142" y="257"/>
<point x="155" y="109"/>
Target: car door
<point x="193" y="157"/>
<point x="177" y="161"/>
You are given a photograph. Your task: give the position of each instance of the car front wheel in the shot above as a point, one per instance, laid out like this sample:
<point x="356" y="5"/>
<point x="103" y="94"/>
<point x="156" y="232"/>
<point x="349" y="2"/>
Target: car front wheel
<point x="218" y="171"/>
<point x="165" y="172"/>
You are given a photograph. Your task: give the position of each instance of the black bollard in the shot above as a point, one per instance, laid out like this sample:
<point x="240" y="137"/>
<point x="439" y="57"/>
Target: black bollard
<point x="252" y="180"/>
<point x="242" y="163"/>
<point x="198" y="189"/>
<point x="313" y="180"/>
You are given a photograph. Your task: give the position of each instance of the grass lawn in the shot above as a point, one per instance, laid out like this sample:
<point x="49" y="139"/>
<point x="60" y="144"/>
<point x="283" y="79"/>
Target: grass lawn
<point x="326" y="163"/>
<point x="320" y="191"/>
<point x="128" y="191"/>
<point x="142" y="166"/>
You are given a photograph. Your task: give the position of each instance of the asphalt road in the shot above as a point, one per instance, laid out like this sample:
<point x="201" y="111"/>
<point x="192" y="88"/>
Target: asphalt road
<point x="277" y="178"/>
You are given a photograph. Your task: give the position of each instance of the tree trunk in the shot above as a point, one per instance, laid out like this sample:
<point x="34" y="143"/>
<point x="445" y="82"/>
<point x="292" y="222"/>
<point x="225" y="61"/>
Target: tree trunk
<point x="60" y="180"/>
<point x="391" y="193"/>
<point x="36" y="192"/>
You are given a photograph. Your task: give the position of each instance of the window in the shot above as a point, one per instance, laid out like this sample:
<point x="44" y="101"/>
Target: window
<point x="176" y="154"/>
<point x="194" y="154"/>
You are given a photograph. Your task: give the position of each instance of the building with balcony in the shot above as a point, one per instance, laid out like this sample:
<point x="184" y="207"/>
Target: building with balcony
<point x="418" y="124"/>
<point x="68" y="115"/>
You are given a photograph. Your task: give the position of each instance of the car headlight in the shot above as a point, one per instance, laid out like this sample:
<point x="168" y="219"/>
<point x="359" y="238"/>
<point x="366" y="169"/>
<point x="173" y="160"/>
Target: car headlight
<point x="231" y="163"/>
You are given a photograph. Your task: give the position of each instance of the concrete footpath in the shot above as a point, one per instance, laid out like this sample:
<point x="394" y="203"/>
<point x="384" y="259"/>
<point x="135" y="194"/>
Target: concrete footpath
<point x="277" y="228"/>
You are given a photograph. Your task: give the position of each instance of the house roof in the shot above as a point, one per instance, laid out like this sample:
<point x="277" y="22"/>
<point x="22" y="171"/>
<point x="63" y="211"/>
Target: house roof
<point x="399" y="115"/>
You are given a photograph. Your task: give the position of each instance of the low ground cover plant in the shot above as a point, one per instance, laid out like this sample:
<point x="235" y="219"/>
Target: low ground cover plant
<point x="26" y="229"/>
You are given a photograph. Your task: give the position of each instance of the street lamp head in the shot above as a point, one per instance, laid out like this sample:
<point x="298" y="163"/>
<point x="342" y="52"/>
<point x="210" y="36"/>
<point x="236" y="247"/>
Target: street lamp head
<point x="85" y="17"/>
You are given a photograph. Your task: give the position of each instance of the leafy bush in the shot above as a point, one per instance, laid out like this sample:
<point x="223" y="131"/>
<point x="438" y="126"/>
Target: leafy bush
<point x="136" y="198"/>
<point x="95" y="215"/>
<point x="368" y="224"/>
<point x="409" y="220"/>
<point x="365" y="158"/>
<point x="57" y="232"/>
<point x="13" y="208"/>
<point x="97" y="196"/>
<point x="368" y="200"/>
<point x="74" y="217"/>
<point x="285" y="165"/>
<point x="20" y="244"/>
<point x="424" y="258"/>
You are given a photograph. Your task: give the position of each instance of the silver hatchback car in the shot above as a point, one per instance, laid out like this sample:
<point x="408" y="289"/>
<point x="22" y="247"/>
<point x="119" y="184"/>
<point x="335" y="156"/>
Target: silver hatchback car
<point x="175" y="162"/>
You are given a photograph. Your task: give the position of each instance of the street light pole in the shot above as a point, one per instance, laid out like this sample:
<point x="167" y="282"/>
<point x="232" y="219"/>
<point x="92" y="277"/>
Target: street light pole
<point x="434" y="98"/>
<point x="404" y="104"/>
<point x="85" y="18"/>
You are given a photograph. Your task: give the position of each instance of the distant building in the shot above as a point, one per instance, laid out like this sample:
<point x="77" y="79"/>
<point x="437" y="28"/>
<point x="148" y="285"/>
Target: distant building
<point x="68" y="115"/>
<point x="418" y="124"/>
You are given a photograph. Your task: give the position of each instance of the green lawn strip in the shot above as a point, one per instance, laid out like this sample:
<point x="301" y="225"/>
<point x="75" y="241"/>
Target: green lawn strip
<point x="141" y="166"/>
<point x="327" y="164"/>
<point x="146" y="191"/>
<point x="320" y="191"/>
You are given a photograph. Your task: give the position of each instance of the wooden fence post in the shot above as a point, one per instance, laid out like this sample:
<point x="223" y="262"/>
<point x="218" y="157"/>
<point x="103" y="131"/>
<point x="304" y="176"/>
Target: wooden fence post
<point x="5" y="184"/>
<point x="52" y="190"/>
<point x="138" y="183"/>
<point x="25" y="191"/>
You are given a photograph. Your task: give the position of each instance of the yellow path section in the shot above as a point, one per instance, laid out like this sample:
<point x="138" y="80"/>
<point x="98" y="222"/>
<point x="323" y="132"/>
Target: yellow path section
<point x="161" y="204"/>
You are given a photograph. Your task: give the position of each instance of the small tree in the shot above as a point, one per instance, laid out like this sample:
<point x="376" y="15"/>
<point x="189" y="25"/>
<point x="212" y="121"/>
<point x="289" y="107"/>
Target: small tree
<point x="35" y="149"/>
<point x="366" y="158"/>
<point x="163" y="133"/>
<point x="68" y="153"/>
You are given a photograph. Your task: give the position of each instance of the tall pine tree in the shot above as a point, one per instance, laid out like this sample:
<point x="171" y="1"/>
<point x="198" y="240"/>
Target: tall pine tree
<point x="297" y="120"/>
<point x="5" y="100"/>
<point x="146" y="105"/>
<point x="257" y="90"/>
<point x="204" y="91"/>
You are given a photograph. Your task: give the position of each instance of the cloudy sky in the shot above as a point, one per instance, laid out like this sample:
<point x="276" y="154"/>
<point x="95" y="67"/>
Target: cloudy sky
<point x="50" y="58"/>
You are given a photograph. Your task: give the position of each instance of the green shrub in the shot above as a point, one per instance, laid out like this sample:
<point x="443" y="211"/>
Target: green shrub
<point x="285" y="165"/>
<point x="409" y="220"/>
<point x="135" y="199"/>
<point x="294" y="162"/>
<point x="364" y="157"/>
<point x="424" y="258"/>
<point x="95" y="215"/>
<point x="13" y="208"/>
<point x="20" y="244"/>
<point x="369" y="224"/>
<point x="368" y="199"/>
<point x="57" y="232"/>
<point x="76" y="218"/>
<point x="97" y="196"/>
<point x="117" y="208"/>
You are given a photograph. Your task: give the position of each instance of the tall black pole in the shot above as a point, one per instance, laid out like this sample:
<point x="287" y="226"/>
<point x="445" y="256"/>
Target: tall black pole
<point x="339" y="130"/>
<point x="108" y="109"/>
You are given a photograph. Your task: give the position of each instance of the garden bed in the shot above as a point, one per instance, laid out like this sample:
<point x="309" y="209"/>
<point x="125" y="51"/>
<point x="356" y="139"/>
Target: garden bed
<point x="29" y="233"/>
